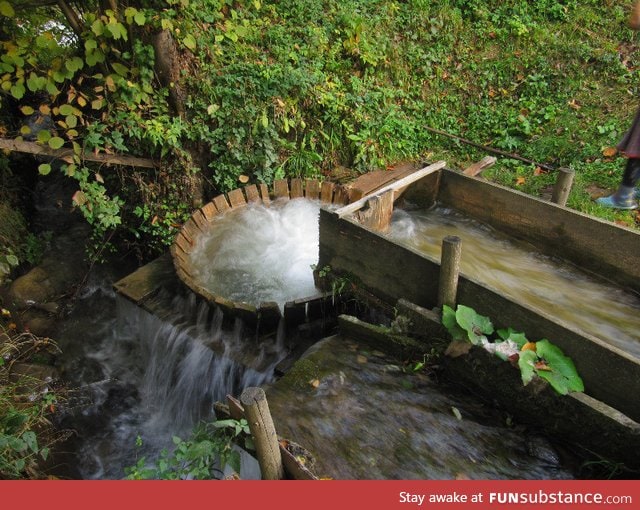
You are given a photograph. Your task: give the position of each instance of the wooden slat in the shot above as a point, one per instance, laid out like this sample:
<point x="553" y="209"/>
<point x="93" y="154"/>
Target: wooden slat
<point x="479" y="166"/>
<point x="296" y="188"/>
<point x="281" y="188"/>
<point x="200" y="219"/>
<point x="264" y="193"/>
<point x="221" y="203"/>
<point x="236" y="198"/>
<point x="326" y="192"/>
<point x="397" y="185"/>
<point x="312" y="188"/>
<point x="183" y="242"/>
<point x="252" y="194"/>
<point x="340" y="196"/>
<point x="210" y="210"/>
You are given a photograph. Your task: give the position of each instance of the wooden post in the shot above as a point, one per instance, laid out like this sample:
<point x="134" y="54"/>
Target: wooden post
<point x="378" y="214"/>
<point x="449" y="271"/>
<point x="257" y="413"/>
<point x="562" y="187"/>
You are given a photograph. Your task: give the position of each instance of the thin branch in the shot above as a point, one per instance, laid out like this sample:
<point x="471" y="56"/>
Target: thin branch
<point x="72" y="17"/>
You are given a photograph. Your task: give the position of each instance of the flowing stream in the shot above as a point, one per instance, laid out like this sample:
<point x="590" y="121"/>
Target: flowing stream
<point x="519" y="271"/>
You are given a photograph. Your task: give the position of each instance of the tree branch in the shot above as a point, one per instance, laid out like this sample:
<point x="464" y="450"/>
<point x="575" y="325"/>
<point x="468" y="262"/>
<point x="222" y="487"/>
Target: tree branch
<point x="72" y="17"/>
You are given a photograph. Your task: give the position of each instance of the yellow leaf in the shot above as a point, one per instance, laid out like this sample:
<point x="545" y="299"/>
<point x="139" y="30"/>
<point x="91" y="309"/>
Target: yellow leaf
<point x="520" y="181"/>
<point x="609" y="152"/>
<point x="26" y="110"/>
<point x="82" y="101"/>
<point x="45" y="109"/>
<point x="314" y="383"/>
<point x="529" y="346"/>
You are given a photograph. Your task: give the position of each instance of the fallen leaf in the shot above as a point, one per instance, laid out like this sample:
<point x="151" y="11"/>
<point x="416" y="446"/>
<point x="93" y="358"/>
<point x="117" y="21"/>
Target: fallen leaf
<point x="520" y="181"/>
<point x="609" y="152"/>
<point x="456" y="412"/>
<point x="541" y="365"/>
<point x="539" y="171"/>
<point x="574" y="104"/>
<point x="529" y="346"/>
<point x="314" y="383"/>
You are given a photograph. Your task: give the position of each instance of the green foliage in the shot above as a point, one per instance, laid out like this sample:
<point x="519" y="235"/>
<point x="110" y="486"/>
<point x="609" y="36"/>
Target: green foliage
<point x="201" y="457"/>
<point x="26" y="434"/>
<point x="543" y="358"/>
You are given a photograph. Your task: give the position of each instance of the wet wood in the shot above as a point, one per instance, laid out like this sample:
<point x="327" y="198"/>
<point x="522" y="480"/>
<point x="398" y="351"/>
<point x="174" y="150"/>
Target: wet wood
<point x="340" y="195"/>
<point x="312" y="189"/>
<point x="236" y="411"/>
<point x="373" y="181"/>
<point x="281" y="188"/>
<point x="236" y="198"/>
<point x="326" y="192"/>
<point x="200" y="219"/>
<point x="63" y="154"/>
<point x="394" y="186"/>
<point x="562" y="187"/>
<point x="479" y="166"/>
<point x="256" y="410"/>
<point x="377" y="213"/>
<point x="221" y="203"/>
<point x="449" y="271"/>
<point x="264" y="193"/>
<point x="252" y="194"/>
<point x="296" y="188"/>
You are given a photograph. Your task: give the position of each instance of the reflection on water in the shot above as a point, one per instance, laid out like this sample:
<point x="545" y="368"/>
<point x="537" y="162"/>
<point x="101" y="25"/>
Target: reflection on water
<point x="260" y="253"/>
<point x="524" y="275"/>
<point x="367" y="419"/>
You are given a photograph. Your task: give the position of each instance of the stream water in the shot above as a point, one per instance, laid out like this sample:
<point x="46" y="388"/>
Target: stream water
<point x="260" y="253"/>
<point x="521" y="272"/>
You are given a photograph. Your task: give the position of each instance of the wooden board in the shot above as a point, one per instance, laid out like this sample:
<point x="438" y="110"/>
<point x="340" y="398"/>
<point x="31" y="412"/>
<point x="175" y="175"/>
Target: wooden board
<point x="221" y="203"/>
<point x="312" y="189"/>
<point x="296" y="188"/>
<point x="252" y="193"/>
<point x="281" y="188"/>
<point x="326" y="192"/>
<point x="236" y="198"/>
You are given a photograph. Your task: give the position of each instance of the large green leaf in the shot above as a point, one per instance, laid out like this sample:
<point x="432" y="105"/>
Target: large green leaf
<point x="449" y="321"/>
<point x="476" y="325"/>
<point x="559" y="364"/>
<point x="526" y="363"/>
<point x="510" y="334"/>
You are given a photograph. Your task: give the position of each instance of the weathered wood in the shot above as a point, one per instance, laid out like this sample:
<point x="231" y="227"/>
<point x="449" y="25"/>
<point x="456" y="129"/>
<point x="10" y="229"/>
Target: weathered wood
<point x="368" y="183"/>
<point x="221" y="203"/>
<point x="264" y="193"/>
<point x="377" y="215"/>
<point x="43" y="150"/>
<point x="294" y="468"/>
<point x="281" y="188"/>
<point x="479" y="166"/>
<point x="236" y="411"/>
<point x="340" y="196"/>
<point x="326" y="192"/>
<point x="256" y="410"/>
<point x="562" y="187"/>
<point x="200" y="219"/>
<point x="183" y="243"/>
<point x="209" y="210"/>
<point x="449" y="271"/>
<point x="252" y="194"/>
<point x="311" y="189"/>
<point x="296" y="188"/>
<point x="413" y="177"/>
<point x="236" y="198"/>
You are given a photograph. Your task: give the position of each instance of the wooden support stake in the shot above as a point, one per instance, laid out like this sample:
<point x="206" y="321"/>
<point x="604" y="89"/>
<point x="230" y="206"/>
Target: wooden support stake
<point x="378" y="214"/>
<point x="256" y="410"/>
<point x="449" y="271"/>
<point x="394" y="186"/>
<point x="562" y="187"/>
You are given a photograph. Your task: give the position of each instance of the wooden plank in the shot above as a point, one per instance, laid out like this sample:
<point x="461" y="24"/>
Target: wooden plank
<point x="479" y="166"/>
<point x="373" y="181"/>
<point x="183" y="243"/>
<point x="281" y="188"/>
<point x="221" y="203"/>
<point x="394" y="186"/>
<point x="105" y="159"/>
<point x="209" y="210"/>
<point x="326" y="192"/>
<point x="340" y="196"/>
<point x="377" y="215"/>
<point x="200" y="219"/>
<point x="296" y="188"/>
<point x="264" y="193"/>
<point x="252" y="194"/>
<point x="311" y="189"/>
<point x="236" y="198"/>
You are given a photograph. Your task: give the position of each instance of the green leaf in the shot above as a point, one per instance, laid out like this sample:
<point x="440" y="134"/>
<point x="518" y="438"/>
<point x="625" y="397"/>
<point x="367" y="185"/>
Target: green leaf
<point x="140" y="18"/>
<point x="97" y="27"/>
<point x="526" y="363"/>
<point x="27" y="110"/>
<point x="557" y="381"/>
<point x="74" y="64"/>
<point x="44" y="136"/>
<point x="449" y="321"/>
<point x="44" y="169"/>
<point x="476" y="325"/>
<point x="510" y="334"/>
<point x="31" y="440"/>
<point x="56" y="142"/>
<point x="35" y="83"/>
<point x="190" y="42"/>
<point x="71" y="121"/>
<point x="6" y="9"/>
<point x="66" y="109"/>
<point x="560" y="364"/>
<point x="12" y="260"/>
<point x="18" y="90"/>
<point x="90" y="45"/>
<point x="120" y="69"/>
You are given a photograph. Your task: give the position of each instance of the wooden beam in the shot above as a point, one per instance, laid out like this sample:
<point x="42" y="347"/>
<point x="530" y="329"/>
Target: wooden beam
<point x="42" y="150"/>
<point x="402" y="183"/>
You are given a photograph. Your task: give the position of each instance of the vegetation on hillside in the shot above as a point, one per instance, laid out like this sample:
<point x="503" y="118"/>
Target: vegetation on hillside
<point x="216" y="90"/>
